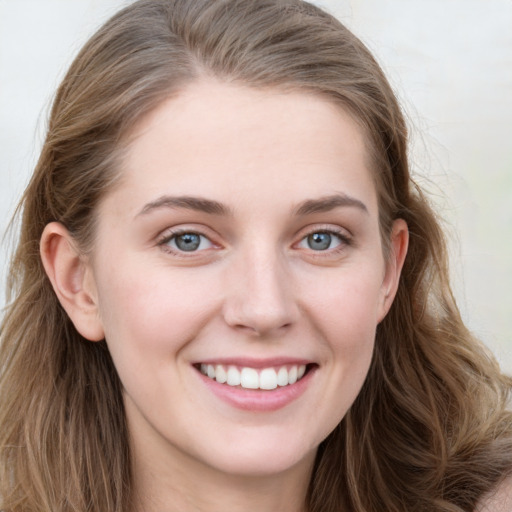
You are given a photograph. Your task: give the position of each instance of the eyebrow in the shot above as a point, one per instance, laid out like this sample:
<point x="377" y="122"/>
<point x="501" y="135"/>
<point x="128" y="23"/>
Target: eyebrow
<point x="328" y="203"/>
<point x="198" y="204"/>
<point x="209" y="206"/>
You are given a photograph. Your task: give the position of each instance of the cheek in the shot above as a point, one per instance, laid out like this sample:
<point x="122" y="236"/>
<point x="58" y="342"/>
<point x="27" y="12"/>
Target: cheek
<point x="152" y="313"/>
<point x="345" y="317"/>
<point x="348" y="326"/>
<point x="346" y="305"/>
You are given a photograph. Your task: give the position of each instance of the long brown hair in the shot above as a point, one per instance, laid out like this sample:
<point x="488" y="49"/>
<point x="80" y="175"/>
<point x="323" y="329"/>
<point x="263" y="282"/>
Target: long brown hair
<point x="429" y="430"/>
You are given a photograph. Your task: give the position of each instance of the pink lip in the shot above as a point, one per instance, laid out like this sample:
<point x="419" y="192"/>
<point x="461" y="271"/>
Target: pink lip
<point x="255" y="363"/>
<point x="255" y="399"/>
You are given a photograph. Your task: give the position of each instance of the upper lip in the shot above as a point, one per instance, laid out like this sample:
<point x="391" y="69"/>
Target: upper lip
<point x="256" y="363"/>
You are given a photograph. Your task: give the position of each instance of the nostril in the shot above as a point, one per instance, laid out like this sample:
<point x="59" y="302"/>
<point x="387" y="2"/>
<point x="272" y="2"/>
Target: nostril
<point x="262" y="329"/>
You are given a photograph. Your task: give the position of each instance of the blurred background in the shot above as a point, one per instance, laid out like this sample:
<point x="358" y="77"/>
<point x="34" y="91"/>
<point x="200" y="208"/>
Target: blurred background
<point x="449" y="61"/>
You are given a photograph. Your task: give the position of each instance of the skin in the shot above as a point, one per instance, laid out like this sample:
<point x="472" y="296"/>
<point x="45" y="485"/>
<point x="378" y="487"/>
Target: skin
<point x="255" y="288"/>
<point x="500" y="500"/>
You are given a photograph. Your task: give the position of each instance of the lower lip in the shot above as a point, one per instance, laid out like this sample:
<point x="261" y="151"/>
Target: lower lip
<point x="256" y="399"/>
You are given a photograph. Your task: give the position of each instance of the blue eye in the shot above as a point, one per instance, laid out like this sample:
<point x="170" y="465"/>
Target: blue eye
<point x="321" y="241"/>
<point x="188" y="242"/>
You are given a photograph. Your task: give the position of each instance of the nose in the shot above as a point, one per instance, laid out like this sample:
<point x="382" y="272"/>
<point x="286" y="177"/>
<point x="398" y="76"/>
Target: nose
<point x="260" y="297"/>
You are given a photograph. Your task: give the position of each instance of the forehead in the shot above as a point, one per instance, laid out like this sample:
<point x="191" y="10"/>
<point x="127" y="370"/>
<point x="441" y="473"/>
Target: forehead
<point x="282" y="144"/>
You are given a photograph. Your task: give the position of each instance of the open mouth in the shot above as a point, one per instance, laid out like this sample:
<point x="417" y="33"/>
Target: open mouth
<point x="252" y="378"/>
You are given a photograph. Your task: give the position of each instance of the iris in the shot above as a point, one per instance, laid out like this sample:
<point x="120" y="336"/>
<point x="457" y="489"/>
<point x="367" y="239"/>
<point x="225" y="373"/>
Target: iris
<point x="319" y="241"/>
<point x="187" y="241"/>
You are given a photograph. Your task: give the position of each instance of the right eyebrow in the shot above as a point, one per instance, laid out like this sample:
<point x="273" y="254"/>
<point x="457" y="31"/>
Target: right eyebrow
<point x="198" y="204"/>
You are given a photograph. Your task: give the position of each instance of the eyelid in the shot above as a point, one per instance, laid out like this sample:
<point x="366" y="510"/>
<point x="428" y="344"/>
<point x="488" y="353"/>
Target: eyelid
<point x="342" y="234"/>
<point x="170" y="233"/>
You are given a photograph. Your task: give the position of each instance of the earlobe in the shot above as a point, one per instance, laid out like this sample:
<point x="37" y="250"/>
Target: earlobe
<point x="71" y="280"/>
<point x="398" y="251"/>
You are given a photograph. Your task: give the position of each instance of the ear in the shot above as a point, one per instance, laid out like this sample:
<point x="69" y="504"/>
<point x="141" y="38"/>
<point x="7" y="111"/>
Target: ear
<point x="72" y="280"/>
<point x="398" y="250"/>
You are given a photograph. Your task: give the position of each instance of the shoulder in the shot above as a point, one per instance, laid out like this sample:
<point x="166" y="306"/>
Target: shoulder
<point x="500" y="500"/>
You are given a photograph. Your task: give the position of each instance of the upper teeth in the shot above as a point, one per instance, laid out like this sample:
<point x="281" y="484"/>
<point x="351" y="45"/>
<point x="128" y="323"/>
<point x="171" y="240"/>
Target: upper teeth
<point x="250" y="378"/>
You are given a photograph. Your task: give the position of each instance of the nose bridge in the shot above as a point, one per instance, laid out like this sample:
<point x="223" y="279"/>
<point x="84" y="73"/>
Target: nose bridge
<point x="260" y="296"/>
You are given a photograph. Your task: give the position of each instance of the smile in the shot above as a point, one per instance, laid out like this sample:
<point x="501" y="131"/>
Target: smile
<point x="252" y="378"/>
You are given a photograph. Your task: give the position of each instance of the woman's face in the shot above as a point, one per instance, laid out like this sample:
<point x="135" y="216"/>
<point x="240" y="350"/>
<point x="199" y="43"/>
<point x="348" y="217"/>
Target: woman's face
<point x="242" y="243"/>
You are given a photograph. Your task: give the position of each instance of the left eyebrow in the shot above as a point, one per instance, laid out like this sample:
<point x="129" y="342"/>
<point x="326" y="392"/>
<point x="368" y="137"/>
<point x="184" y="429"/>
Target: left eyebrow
<point x="328" y="203"/>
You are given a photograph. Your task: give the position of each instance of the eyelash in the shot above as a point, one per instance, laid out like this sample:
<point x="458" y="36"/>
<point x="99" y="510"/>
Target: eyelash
<point x="343" y="239"/>
<point x="170" y="235"/>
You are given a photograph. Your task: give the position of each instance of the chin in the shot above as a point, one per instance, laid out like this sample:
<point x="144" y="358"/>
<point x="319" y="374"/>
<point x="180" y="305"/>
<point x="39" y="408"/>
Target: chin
<point x="265" y="458"/>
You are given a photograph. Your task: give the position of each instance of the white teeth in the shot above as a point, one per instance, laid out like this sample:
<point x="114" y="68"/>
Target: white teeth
<point x="282" y="376"/>
<point x="233" y="376"/>
<point x="268" y="379"/>
<point x="250" y="378"/>
<point x="220" y="374"/>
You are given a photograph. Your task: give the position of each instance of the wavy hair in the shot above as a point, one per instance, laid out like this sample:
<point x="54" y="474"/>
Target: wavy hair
<point x="429" y="431"/>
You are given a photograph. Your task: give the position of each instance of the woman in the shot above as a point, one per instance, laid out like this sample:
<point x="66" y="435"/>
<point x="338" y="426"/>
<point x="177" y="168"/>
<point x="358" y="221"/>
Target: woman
<point x="228" y="293"/>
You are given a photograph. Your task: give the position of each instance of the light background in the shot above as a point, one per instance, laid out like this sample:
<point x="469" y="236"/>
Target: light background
<point x="450" y="62"/>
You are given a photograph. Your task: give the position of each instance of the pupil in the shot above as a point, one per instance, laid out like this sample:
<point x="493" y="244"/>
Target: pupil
<point x="188" y="242"/>
<point x="319" y="241"/>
